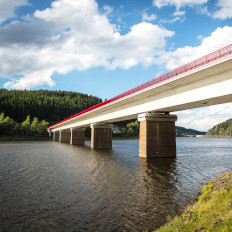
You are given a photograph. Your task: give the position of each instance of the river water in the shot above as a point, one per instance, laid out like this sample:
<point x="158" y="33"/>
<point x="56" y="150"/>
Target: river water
<point x="47" y="186"/>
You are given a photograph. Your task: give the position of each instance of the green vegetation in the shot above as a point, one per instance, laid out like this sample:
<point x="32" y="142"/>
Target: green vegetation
<point x="51" y="106"/>
<point x="9" y="127"/>
<point x="131" y="129"/>
<point x="211" y="212"/>
<point x="183" y="132"/>
<point x="221" y="130"/>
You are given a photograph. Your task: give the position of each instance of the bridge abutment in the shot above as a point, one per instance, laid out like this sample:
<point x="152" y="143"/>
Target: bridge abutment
<point x="64" y="136"/>
<point x="77" y="136"/>
<point x="157" y="137"/>
<point x="56" y="136"/>
<point x="101" y="135"/>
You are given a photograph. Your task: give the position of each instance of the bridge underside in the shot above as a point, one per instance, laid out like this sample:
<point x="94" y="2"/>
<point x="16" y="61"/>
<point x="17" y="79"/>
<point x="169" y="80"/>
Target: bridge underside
<point x="156" y="139"/>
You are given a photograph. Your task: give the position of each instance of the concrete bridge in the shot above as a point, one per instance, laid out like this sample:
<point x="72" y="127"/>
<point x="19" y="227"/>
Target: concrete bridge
<point x="203" y="82"/>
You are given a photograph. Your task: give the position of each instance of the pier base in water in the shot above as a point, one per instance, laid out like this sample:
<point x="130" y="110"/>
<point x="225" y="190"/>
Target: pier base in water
<point x="64" y="136"/>
<point x="56" y="136"/>
<point x="77" y="136"/>
<point x="157" y="137"/>
<point x="101" y="135"/>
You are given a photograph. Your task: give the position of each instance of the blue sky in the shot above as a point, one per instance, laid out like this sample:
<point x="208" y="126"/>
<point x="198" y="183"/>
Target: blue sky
<point x="105" y="47"/>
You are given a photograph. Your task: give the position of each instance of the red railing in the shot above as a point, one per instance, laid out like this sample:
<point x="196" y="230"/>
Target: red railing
<point x="223" y="52"/>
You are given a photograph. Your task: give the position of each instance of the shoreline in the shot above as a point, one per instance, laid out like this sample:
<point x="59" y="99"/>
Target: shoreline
<point x="47" y="138"/>
<point x="215" y="136"/>
<point x="211" y="211"/>
<point x="24" y="138"/>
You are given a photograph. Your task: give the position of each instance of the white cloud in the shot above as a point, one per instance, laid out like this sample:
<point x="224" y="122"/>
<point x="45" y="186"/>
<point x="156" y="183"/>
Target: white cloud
<point x="219" y="38"/>
<point x="178" y="3"/>
<point x="176" y="19"/>
<point x="200" y="37"/>
<point x="53" y="42"/>
<point x="204" y="10"/>
<point x="108" y="9"/>
<point x="179" y="13"/>
<point x="7" y="8"/>
<point x="225" y="9"/>
<point x="146" y="17"/>
<point x="205" y="118"/>
<point x="139" y="45"/>
<point x="32" y="80"/>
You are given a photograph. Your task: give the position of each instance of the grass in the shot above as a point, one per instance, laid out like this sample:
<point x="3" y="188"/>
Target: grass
<point x="211" y="212"/>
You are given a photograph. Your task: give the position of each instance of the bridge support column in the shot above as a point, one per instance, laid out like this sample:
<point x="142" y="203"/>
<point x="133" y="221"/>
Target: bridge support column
<point x="64" y="136"/>
<point x="157" y="137"/>
<point x="56" y="136"/>
<point x="77" y="136"/>
<point x="101" y="135"/>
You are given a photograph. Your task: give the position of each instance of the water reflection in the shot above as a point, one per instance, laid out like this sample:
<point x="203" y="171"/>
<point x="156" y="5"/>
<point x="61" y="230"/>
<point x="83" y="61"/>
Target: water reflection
<point x="57" y="187"/>
<point x="159" y="177"/>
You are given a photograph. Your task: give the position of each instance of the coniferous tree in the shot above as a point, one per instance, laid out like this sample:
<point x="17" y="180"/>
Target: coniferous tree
<point x="34" y="125"/>
<point x="26" y="126"/>
<point x="42" y="128"/>
<point x="16" y="129"/>
<point x="51" y="106"/>
<point x="1" y="117"/>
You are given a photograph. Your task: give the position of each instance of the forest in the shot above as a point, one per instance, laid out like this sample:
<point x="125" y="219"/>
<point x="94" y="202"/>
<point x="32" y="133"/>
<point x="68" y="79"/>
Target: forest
<point x="9" y="127"/>
<point x="52" y="106"/>
<point x="222" y="129"/>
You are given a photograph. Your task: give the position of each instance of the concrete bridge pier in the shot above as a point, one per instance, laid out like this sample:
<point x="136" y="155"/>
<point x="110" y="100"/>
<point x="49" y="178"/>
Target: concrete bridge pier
<point x="64" y="136"/>
<point x="157" y="137"/>
<point x="56" y="136"/>
<point x="101" y="135"/>
<point x="77" y="136"/>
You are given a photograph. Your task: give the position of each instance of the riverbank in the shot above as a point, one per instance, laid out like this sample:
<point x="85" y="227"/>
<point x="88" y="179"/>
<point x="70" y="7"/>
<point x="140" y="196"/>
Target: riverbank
<point x="24" y="138"/>
<point x="211" y="212"/>
<point x="217" y="136"/>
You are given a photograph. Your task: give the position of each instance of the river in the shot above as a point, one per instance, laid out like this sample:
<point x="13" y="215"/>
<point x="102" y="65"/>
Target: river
<point x="47" y="186"/>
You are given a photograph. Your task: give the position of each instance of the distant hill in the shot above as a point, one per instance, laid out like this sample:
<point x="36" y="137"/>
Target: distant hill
<point x="222" y="129"/>
<point x="182" y="132"/>
<point x="52" y="106"/>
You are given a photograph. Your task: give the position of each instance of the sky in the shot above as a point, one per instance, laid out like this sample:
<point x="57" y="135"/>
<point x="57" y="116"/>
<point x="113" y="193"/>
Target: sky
<point x="105" y="47"/>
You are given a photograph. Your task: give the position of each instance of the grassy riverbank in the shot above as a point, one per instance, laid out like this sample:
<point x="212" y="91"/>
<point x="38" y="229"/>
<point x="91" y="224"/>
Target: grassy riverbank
<point x="211" y="212"/>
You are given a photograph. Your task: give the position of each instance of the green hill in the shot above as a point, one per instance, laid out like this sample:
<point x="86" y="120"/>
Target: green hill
<point x="52" y="106"/>
<point x="182" y="132"/>
<point x="222" y="129"/>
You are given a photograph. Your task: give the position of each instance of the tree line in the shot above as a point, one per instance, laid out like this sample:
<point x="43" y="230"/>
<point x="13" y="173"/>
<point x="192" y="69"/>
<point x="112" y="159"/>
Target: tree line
<point x="52" y="106"/>
<point x="35" y="127"/>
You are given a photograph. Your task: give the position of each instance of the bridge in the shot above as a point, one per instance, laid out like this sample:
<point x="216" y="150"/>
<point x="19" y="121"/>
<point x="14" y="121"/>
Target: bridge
<point x="203" y="82"/>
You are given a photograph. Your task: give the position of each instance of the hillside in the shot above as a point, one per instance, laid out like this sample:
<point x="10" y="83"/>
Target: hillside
<point x="182" y="132"/>
<point x="51" y="106"/>
<point x="222" y="129"/>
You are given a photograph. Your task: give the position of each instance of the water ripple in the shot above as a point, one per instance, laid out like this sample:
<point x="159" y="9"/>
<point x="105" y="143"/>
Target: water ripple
<point x="57" y="187"/>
